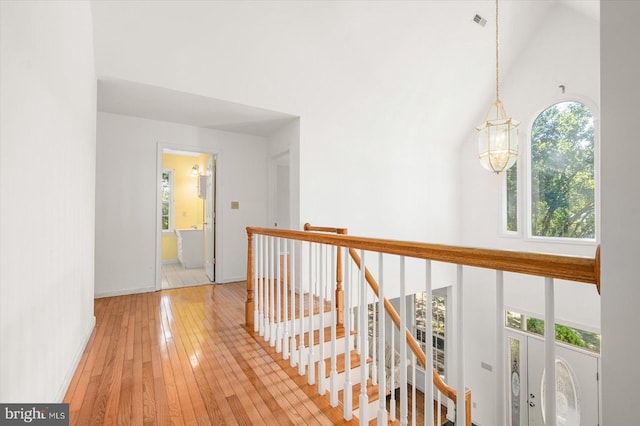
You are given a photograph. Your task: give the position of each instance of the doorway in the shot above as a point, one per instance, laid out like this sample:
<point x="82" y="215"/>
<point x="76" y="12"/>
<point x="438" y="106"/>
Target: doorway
<point x="186" y="255"/>
<point x="281" y="191"/>
<point x="577" y="394"/>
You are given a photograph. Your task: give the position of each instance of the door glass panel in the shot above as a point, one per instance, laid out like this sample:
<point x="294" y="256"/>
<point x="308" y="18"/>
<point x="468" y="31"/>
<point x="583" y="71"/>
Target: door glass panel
<point x="567" y="400"/>
<point x="514" y="382"/>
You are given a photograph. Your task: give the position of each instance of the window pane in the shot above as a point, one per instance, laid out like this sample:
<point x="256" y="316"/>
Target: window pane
<point x="167" y="205"/>
<point x="562" y="172"/>
<point x="514" y="381"/>
<point x="567" y="397"/>
<point x="512" y="198"/>
<point x="438" y="315"/>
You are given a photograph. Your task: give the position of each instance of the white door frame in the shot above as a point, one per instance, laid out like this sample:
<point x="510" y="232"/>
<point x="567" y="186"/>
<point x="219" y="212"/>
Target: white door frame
<point x="278" y="159"/>
<point x="160" y="147"/>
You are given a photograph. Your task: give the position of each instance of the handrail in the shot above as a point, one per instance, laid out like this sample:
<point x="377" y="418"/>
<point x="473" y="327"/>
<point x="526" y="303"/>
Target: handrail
<point x="572" y="268"/>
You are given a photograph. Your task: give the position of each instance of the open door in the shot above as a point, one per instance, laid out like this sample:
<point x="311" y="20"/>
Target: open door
<point x="210" y="220"/>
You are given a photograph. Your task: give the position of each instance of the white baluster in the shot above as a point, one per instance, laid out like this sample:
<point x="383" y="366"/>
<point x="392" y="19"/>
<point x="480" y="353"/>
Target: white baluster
<point x="393" y="373"/>
<point x="348" y="390"/>
<point x="278" y="259"/>
<point x="404" y="415"/>
<point x="382" y="409"/>
<point x="428" y="347"/>
<point x="501" y="393"/>
<point x="364" y="313"/>
<point x="292" y="320"/>
<point x="301" y="349"/>
<point x="333" y="383"/>
<point x="439" y="411"/>
<point x="549" y="352"/>
<point x="273" y="334"/>
<point x="413" y="389"/>
<point x="461" y="411"/>
<point x="311" y="371"/>
<point x="285" y="300"/>
<point x="321" y="363"/>
<point x="256" y="285"/>
<point x="357" y="324"/>
<point x="373" y="344"/>
<point x="267" y="311"/>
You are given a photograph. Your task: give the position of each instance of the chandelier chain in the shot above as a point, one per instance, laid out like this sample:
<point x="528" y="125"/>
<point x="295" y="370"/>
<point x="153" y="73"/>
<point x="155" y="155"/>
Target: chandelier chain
<point x="497" y="63"/>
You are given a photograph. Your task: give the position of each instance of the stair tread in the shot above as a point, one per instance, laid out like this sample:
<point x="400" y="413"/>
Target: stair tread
<point x="374" y="422"/>
<point x="327" y="335"/>
<point x="285" y="315"/>
<point x="340" y="362"/>
<point x="372" y="394"/>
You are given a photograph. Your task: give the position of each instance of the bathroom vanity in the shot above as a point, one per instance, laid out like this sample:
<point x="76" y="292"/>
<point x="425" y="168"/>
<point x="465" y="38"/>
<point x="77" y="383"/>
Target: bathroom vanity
<point x="190" y="245"/>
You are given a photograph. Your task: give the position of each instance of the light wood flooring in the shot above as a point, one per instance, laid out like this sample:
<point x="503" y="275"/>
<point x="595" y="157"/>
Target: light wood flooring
<point x="183" y="356"/>
<point x="174" y="275"/>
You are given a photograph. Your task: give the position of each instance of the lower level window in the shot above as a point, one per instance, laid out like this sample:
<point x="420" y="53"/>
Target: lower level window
<point x="569" y="335"/>
<point x="438" y="316"/>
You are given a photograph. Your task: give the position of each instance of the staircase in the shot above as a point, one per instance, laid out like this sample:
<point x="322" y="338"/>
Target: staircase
<point x="307" y="346"/>
<point x="302" y="314"/>
<point x="315" y="348"/>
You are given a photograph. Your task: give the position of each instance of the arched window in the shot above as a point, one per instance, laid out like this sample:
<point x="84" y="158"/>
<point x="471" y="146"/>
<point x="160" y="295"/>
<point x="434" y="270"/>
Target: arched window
<point x="562" y="172"/>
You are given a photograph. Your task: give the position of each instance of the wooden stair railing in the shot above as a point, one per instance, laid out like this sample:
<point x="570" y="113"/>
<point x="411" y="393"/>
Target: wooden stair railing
<point x="572" y="268"/>
<point x="413" y="344"/>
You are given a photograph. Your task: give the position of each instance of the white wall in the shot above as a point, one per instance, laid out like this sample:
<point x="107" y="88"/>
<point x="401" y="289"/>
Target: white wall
<point x="47" y="170"/>
<point x="287" y="139"/>
<point x="126" y="190"/>
<point x="620" y="210"/>
<point x="375" y="145"/>
<point x="563" y="51"/>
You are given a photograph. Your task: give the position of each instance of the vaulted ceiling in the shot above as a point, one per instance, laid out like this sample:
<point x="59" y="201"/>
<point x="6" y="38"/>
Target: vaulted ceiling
<point x="249" y="66"/>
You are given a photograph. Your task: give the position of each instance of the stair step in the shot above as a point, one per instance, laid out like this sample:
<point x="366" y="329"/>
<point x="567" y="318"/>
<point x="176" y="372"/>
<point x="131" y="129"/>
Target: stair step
<point x="327" y="335"/>
<point x="374" y="422"/>
<point x="340" y="362"/>
<point x="285" y="314"/>
<point x="372" y="394"/>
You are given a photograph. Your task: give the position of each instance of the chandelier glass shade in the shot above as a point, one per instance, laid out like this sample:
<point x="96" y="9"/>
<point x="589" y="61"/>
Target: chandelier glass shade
<point x="498" y="135"/>
<point x="498" y="140"/>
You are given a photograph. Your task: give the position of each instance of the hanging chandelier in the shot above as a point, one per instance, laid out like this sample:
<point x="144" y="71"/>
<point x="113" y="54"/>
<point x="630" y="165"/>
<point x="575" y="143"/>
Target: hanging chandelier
<point x="498" y="135"/>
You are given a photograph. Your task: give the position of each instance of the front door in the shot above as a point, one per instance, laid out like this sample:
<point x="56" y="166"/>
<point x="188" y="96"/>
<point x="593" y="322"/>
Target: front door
<point x="576" y="384"/>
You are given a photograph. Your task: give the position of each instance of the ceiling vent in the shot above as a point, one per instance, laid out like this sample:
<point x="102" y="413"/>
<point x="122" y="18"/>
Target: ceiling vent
<point x="479" y="20"/>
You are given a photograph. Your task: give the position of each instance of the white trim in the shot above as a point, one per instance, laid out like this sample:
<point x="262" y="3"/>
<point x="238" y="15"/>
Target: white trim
<point x="64" y="387"/>
<point x="170" y="261"/>
<point x="127" y="291"/>
<point x="231" y="280"/>
<point x="279" y="158"/>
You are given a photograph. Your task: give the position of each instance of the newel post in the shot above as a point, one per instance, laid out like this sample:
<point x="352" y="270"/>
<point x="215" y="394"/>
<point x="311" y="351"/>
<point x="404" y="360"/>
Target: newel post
<point x="249" y="305"/>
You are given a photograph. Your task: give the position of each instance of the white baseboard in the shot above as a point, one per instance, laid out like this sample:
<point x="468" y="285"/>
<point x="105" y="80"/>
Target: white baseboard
<point x="170" y="261"/>
<point x="124" y="292"/>
<point x="76" y="360"/>
<point x="231" y="280"/>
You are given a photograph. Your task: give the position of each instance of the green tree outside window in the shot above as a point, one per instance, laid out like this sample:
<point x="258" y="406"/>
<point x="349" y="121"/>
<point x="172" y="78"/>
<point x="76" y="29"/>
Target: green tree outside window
<point x="562" y="172"/>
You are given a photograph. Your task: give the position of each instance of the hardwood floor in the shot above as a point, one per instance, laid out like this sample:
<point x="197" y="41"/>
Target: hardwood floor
<point x="183" y="357"/>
